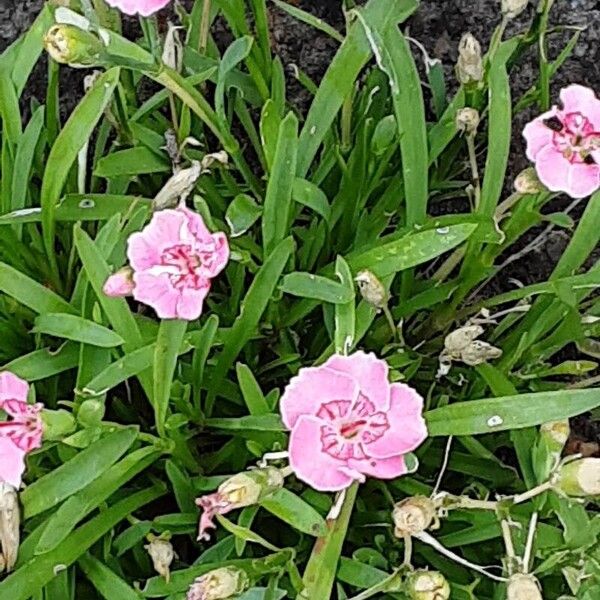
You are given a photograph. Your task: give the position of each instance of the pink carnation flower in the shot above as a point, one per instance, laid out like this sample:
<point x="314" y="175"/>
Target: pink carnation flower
<point x="173" y="260"/>
<point x="22" y="432"/>
<point x="564" y="143"/>
<point x="141" y="7"/>
<point x="348" y="421"/>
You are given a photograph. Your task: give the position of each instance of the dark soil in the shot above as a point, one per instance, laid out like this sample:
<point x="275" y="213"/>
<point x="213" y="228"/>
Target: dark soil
<point x="438" y="25"/>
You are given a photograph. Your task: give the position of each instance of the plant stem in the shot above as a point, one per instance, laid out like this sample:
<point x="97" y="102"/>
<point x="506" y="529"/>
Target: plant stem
<point x="204" y="26"/>
<point x="381" y="587"/>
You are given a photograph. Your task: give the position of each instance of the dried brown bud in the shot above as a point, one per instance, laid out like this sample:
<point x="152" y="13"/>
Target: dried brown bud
<point x="371" y="289"/>
<point x="478" y="352"/>
<point x="580" y="477"/>
<point x="162" y="554"/>
<point x="458" y="340"/>
<point x="427" y="585"/>
<point x="513" y="8"/>
<point x="467" y="120"/>
<point x="220" y="584"/>
<point x="523" y="587"/>
<point x="10" y="520"/>
<point x="469" y="67"/>
<point x="178" y="187"/>
<point x="413" y="515"/>
<point x="172" y="55"/>
<point x="527" y="182"/>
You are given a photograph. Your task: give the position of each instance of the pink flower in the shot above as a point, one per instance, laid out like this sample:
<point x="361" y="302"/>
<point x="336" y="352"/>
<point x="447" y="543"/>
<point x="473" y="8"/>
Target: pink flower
<point x="173" y="259"/>
<point x="22" y="433"/>
<point x="564" y="143"/>
<point x="142" y="7"/>
<point x="348" y="421"/>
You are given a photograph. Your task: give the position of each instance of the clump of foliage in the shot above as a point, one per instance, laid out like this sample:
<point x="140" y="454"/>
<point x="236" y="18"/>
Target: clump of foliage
<point x="326" y="219"/>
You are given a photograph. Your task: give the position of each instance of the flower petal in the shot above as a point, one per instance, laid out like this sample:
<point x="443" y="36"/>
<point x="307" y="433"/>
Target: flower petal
<point x="190" y="302"/>
<point x="195" y="224"/>
<point x="310" y="389"/>
<point x="537" y="135"/>
<point x="407" y="428"/>
<point x="311" y="464"/>
<point x="142" y="7"/>
<point x="578" y="98"/>
<point x="553" y="169"/>
<point x="12" y="387"/>
<point x="380" y="468"/>
<point x="219" y="255"/>
<point x="12" y="463"/>
<point x="583" y="180"/>
<point x="370" y="372"/>
<point x="156" y="291"/>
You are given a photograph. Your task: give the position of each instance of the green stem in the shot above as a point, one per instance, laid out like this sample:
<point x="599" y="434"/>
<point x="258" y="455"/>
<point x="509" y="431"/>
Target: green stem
<point x="204" y="26"/>
<point x="544" y="65"/>
<point x="388" y="584"/>
<point x="321" y="569"/>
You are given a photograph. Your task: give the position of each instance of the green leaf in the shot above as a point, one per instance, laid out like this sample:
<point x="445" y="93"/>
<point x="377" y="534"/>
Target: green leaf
<point x="69" y="478"/>
<point x="308" y="194"/>
<point x="241" y="214"/>
<point x="409" y="251"/>
<point x="77" y="329"/>
<point x="170" y="337"/>
<point x="295" y="512"/>
<point x="106" y="582"/>
<point x="277" y="208"/>
<point x="269" y="422"/>
<point x="345" y="313"/>
<point x="232" y="57"/>
<point x="73" y="136"/>
<point x="30" y="293"/>
<point x="253" y="396"/>
<point x="307" y="285"/>
<point x="509" y="412"/>
<point x="132" y="161"/>
<point x="45" y="362"/>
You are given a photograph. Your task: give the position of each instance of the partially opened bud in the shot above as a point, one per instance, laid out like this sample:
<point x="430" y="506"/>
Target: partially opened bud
<point x="413" y="515"/>
<point x="220" y="584"/>
<point x="523" y="587"/>
<point x="555" y="434"/>
<point x="71" y="45"/>
<point x="427" y="585"/>
<point x="239" y="491"/>
<point x="371" y="289"/>
<point x="162" y="554"/>
<point x="580" y="477"/>
<point x="513" y="8"/>
<point x="469" y="67"/>
<point x="467" y="120"/>
<point x="119" y="284"/>
<point x="10" y="520"/>
<point x="527" y="182"/>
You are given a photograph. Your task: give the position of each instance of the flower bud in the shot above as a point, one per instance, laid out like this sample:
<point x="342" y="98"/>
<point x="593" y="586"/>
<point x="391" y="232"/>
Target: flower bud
<point x="467" y="120"/>
<point x="119" y="284"/>
<point x="371" y="289"/>
<point x="413" y="515"/>
<point x="458" y="340"/>
<point x="178" y="187"/>
<point x="478" y="352"/>
<point x="469" y="67"/>
<point x="513" y="8"/>
<point x="172" y="55"/>
<point x="71" y="45"/>
<point x="580" y="477"/>
<point x="220" y="584"/>
<point x="555" y="434"/>
<point x="91" y="412"/>
<point x="523" y="587"/>
<point x="10" y="520"/>
<point x="527" y="182"/>
<point x="162" y="554"/>
<point x="427" y="585"/>
<point x="243" y="489"/>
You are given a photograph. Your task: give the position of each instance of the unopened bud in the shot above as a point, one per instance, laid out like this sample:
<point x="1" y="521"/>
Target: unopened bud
<point x="467" y="120"/>
<point x="580" y="477"/>
<point x="513" y="8"/>
<point x="162" y="554"/>
<point x="413" y="515"/>
<point x="469" y="67"/>
<point x="427" y="585"/>
<point x="555" y="434"/>
<point x="71" y="45"/>
<point x="527" y="182"/>
<point x="371" y="289"/>
<point x="10" y="520"/>
<point x="119" y="284"/>
<point x="172" y="55"/>
<point x="523" y="587"/>
<point x="239" y="491"/>
<point x="220" y="584"/>
<point x="478" y="352"/>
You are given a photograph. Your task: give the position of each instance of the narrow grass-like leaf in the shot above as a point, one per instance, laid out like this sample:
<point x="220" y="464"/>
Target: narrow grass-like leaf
<point x="45" y="362"/>
<point x="307" y="285"/>
<point x="345" y="313"/>
<point x="69" y="142"/>
<point x="132" y="161"/>
<point x="309" y="19"/>
<point x="106" y="582"/>
<point x="253" y="396"/>
<point x="78" y="472"/>
<point x="295" y="512"/>
<point x="232" y="57"/>
<point x="77" y="329"/>
<point x="307" y="193"/>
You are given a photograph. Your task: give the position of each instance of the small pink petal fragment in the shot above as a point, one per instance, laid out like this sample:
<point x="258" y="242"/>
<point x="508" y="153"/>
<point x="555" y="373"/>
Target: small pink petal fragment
<point x="347" y="422"/>
<point x="12" y="387"/>
<point x="12" y="462"/>
<point x="145" y="8"/>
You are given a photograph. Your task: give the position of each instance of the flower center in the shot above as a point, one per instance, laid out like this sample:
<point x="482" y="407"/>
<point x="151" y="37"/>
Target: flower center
<point x="575" y="138"/>
<point x="185" y="266"/>
<point x="350" y="427"/>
